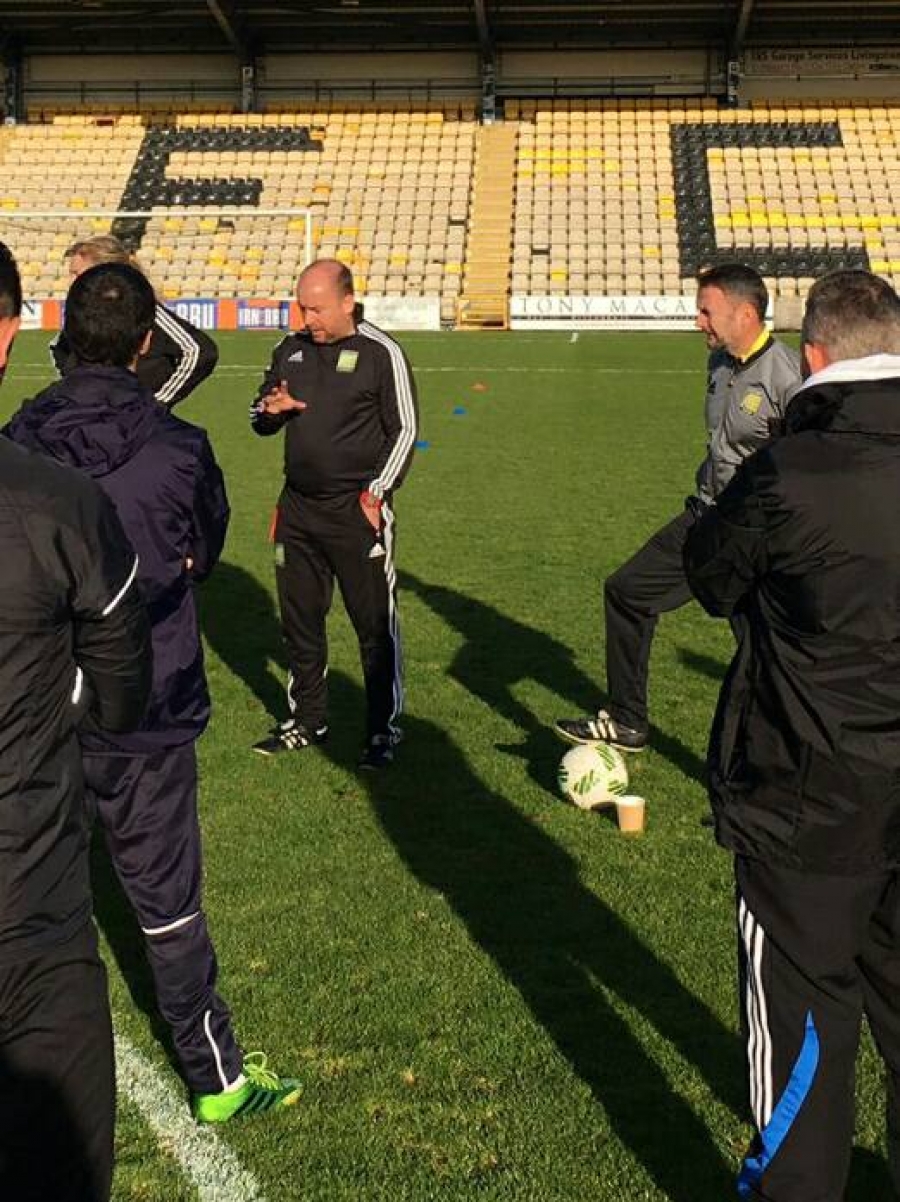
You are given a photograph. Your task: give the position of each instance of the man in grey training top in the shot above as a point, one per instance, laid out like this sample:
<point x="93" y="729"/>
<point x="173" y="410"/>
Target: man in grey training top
<point x="751" y="377"/>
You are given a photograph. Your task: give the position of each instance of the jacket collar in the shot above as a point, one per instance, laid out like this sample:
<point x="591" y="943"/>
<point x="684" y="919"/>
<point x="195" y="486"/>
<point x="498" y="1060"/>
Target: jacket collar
<point x="859" y="396"/>
<point x="739" y="363"/>
<point x="872" y="367"/>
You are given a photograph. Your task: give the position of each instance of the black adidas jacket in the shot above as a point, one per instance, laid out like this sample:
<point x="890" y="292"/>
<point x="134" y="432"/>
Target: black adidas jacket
<point x="74" y="648"/>
<point x="805" y="543"/>
<point x="359" y="429"/>
<point x="179" y="358"/>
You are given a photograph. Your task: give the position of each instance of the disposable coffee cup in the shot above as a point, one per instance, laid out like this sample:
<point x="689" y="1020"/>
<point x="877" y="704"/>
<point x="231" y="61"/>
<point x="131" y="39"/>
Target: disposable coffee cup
<point x="631" y="812"/>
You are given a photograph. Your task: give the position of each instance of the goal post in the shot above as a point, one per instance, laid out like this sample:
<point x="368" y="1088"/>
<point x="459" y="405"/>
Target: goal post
<point x="219" y="253"/>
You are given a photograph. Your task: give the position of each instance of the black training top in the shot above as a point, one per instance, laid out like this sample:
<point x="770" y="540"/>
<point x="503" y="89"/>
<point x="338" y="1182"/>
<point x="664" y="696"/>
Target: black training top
<point x="74" y="646"/>
<point x="358" y="431"/>
<point x="178" y="360"/>
<point x="803" y="546"/>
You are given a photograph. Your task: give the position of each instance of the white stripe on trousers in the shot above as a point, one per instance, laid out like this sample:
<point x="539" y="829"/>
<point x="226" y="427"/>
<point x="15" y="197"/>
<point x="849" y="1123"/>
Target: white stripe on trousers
<point x="759" y="1039"/>
<point x="391" y="578"/>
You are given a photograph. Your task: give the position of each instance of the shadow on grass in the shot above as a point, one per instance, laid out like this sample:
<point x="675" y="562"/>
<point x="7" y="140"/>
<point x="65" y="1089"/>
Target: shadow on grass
<point x="46" y="1150"/>
<point x="241" y="624"/>
<point x="499" y="652"/>
<point x="573" y="960"/>
<point x="869" y="1178"/>
<point x="704" y="665"/>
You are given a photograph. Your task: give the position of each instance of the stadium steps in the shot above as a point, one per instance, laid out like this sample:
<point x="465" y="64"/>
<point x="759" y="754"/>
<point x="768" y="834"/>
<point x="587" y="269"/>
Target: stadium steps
<point x="484" y="300"/>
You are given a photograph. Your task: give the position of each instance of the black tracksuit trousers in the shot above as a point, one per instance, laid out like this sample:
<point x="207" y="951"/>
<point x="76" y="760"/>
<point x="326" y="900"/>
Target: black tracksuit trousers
<point x="317" y="541"/>
<point x="817" y="952"/>
<point x="651" y="583"/>
<point x="57" y="1078"/>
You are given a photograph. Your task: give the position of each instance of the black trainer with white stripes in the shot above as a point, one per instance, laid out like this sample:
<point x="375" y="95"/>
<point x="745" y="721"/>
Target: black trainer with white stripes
<point x="290" y="735"/>
<point x="601" y="729"/>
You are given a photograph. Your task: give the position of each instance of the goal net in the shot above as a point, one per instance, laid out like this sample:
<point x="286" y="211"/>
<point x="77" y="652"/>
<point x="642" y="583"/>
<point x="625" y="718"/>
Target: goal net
<point x="240" y="253"/>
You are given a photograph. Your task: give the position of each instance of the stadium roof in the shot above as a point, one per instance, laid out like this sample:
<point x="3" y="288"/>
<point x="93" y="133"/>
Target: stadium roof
<point x="71" y="26"/>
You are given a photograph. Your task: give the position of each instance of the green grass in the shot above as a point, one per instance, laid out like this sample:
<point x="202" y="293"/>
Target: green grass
<point x="487" y="993"/>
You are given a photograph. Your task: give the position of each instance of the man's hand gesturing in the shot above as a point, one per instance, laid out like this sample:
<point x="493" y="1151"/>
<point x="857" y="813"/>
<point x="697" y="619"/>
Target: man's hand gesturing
<point x="279" y="400"/>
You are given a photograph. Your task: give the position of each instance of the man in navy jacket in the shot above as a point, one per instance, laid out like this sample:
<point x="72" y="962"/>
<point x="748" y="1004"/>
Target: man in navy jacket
<point x="74" y="648"/>
<point x="167" y="488"/>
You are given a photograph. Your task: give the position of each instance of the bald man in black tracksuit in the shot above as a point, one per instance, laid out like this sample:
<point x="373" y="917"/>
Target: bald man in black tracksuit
<point x="344" y="393"/>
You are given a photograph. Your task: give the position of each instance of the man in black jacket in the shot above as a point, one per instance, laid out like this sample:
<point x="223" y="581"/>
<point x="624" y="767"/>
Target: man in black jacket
<point x="344" y="393"/>
<point x="169" y="493"/>
<point x="805" y="749"/>
<point x="179" y="357"/>
<point x="74" y="650"/>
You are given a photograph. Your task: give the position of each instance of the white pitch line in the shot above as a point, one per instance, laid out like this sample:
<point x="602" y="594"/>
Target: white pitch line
<point x="583" y="367"/>
<point x="244" y="368"/>
<point x="205" y="1160"/>
<point x="257" y="369"/>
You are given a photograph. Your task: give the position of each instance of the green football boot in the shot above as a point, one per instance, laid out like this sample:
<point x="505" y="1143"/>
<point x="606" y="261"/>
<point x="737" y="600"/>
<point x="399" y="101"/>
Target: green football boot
<point x="262" y="1090"/>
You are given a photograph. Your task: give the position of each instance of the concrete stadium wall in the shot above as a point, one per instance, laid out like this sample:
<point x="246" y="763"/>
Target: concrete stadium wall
<point x="56" y="79"/>
<point x="101" y="78"/>
<point x="820" y="72"/>
<point x="823" y="90"/>
<point x="389" y="68"/>
<point x="690" y="71"/>
<point x="99" y="69"/>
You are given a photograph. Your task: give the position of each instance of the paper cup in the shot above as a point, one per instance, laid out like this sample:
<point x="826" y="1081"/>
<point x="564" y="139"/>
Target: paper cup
<point x="631" y="812"/>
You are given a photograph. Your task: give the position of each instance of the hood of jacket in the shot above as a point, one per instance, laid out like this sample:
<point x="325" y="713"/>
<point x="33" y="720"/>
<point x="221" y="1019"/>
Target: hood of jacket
<point x="94" y="419"/>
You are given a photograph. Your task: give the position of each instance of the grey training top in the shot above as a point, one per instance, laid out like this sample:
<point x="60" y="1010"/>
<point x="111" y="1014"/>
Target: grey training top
<point x="744" y="402"/>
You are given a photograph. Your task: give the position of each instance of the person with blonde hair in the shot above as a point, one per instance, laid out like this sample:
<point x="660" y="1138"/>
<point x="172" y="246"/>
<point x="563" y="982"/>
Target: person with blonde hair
<point x="180" y="356"/>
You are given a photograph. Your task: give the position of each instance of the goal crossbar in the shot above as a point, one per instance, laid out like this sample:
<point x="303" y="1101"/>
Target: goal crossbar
<point x="163" y="211"/>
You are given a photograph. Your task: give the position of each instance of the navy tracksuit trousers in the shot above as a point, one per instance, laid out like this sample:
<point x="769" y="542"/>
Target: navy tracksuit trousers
<point x="147" y="807"/>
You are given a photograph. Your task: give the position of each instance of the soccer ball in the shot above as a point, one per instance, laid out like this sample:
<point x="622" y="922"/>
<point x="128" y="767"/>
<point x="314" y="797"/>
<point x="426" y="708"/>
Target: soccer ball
<point x="592" y="774"/>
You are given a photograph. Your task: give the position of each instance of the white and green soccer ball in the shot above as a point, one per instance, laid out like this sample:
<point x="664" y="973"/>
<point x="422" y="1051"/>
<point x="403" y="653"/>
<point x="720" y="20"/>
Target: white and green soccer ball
<point x="592" y="774"/>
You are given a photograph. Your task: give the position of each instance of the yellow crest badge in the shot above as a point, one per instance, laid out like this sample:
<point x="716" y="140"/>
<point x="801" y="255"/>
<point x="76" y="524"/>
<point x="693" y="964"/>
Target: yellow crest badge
<point x="751" y="403"/>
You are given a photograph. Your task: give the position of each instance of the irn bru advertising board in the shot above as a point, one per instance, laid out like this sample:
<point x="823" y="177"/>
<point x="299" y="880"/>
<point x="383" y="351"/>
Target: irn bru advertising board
<point x="266" y="314"/>
<point x="206" y="313"/>
<point x="209" y="313"/>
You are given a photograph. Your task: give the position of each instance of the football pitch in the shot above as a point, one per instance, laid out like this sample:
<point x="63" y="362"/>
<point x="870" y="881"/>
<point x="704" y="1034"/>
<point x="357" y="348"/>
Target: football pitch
<point x="486" y="993"/>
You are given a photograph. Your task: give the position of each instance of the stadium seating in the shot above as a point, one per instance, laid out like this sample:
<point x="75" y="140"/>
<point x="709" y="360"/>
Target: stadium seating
<point x="44" y="170"/>
<point x="389" y="189"/>
<point x="633" y="196"/>
<point x="598" y="196"/>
